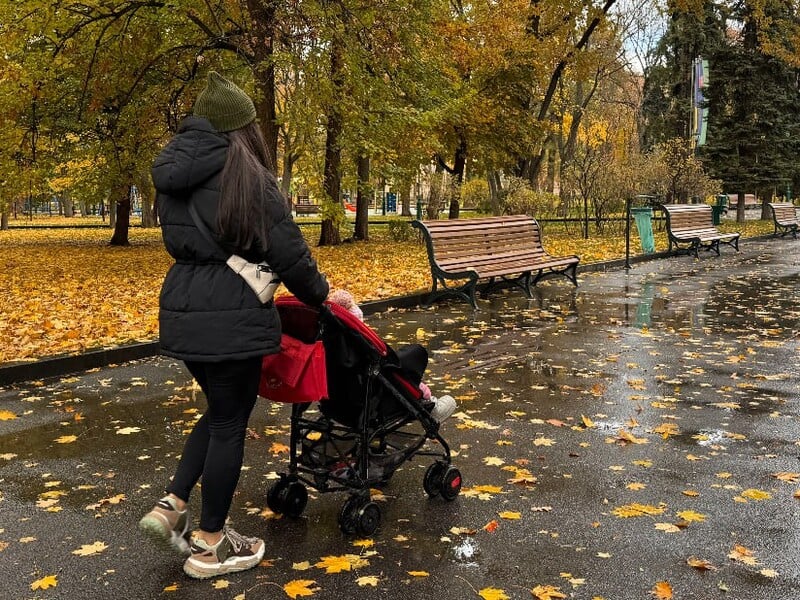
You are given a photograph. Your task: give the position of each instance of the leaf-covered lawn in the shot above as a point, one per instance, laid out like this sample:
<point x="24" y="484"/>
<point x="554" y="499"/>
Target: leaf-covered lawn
<point x="65" y="290"/>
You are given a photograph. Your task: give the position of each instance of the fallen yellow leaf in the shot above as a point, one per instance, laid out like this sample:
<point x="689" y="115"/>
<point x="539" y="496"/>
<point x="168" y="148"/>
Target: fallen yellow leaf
<point x="690" y="516"/>
<point x="637" y="510"/>
<point x="743" y="555"/>
<point x="752" y="494"/>
<point x="510" y="515"/>
<point x="90" y="549"/>
<point x="662" y="590"/>
<point x="300" y="587"/>
<point x="700" y="564"/>
<point x="492" y="594"/>
<point x="45" y="583"/>
<point x="547" y="592"/>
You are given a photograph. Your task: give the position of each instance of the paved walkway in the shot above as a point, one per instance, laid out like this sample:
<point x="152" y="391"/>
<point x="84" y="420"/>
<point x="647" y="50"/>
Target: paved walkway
<point x="607" y="435"/>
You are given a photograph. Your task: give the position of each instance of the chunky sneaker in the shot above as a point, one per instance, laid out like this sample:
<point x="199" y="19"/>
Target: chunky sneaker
<point x="233" y="552"/>
<point x="167" y="526"/>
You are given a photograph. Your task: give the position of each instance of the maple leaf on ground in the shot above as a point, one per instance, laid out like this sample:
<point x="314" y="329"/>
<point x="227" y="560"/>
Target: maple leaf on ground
<point x="90" y="549"/>
<point x="7" y="415"/>
<point x="637" y="510"/>
<point x="547" y="592"/>
<point x="626" y="437"/>
<point x="337" y="564"/>
<point x="743" y="555"/>
<point x="45" y="583"/>
<point x="756" y="495"/>
<point x="510" y="515"/>
<point x="700" y="564"/>
<point x="543" y="441"/>
<point x="787" y="476"/>
<point x="300" y="587"/>
<point x="690" y="516"/>
<point x="278" y="448"/>
<point x="492" y="594"/>
<point x="662" y="590"/>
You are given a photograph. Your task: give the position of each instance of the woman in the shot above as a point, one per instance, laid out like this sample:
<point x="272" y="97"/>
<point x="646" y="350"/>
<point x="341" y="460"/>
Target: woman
<point x="211" y="319"/>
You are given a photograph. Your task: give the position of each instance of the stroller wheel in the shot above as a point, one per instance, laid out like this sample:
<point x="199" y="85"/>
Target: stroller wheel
<point x="451" y="483"/>
<point x="369" y="518"/>
<point x="289" y="498"/>
<point x="276" y="494"/>
<point x="349" y="515"/>
<point x="295" y="500"/>
<point x="432" y="483"/>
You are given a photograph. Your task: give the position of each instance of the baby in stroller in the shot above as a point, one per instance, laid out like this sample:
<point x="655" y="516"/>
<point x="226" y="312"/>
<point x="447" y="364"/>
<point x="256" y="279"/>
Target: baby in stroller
<point x="372" y="418"/>
<point x="440" y="408"/>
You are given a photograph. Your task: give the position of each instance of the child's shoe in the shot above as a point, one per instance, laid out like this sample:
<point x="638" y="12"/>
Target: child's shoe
<point x="167" y="526"/>
<point x="233" y="552"/>
<point x="443" y="407"/>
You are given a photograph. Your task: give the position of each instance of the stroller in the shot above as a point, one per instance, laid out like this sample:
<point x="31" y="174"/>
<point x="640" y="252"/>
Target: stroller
<point x="371" y="419"/>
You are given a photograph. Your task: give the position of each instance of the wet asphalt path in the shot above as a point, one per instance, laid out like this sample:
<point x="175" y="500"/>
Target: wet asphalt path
<point x="606" y="435"/>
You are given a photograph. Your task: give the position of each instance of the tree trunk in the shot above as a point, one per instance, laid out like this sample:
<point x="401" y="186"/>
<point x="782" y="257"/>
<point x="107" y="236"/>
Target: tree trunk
<point x="458" y="174"/>
<point x="495" y="190"/>
<point x="289" y="158"/>
<point x="740" y="207"/>
<point x="405" y="200"/>
<point x="263" y="19"/>
<point x="69" y="205"/>
<point x="363" y="194"/>
<point x="147" y="194"/>
<point x="120" y="237"/>
<point x="4" y="220"/>
<point x="149" y="217"/>
<point x="329" y="234"/>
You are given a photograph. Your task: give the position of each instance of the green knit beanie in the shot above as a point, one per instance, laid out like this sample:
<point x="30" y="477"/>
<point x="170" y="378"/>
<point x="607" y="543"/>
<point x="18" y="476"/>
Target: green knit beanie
<point x="224" y="104"/>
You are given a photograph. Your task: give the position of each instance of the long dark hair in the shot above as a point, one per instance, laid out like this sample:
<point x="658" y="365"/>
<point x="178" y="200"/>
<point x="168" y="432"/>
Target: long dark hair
<point x="242" y="215"/>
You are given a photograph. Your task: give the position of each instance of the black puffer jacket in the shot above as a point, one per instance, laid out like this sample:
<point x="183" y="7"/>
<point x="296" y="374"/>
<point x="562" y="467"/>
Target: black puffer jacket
<point x="207" y="311"/>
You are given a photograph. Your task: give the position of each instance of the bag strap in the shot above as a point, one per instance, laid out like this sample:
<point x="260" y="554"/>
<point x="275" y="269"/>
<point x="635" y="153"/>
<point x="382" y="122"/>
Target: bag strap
<point x="198" y="222"/>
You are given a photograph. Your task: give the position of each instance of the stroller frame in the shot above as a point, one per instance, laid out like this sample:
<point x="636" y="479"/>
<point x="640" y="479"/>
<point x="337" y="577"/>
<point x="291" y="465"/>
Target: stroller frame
<point x="330" y="456"/>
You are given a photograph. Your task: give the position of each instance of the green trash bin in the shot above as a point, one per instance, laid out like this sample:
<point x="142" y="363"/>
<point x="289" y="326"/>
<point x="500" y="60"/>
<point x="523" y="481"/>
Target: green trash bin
<point x="644" y="223"/>
<point x="719" y="208"/>
<point x="716" y="211"/>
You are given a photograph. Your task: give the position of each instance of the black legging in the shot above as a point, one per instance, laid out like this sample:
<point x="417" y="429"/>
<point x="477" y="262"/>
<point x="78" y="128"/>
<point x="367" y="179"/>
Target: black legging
<point x="215" y="447"/>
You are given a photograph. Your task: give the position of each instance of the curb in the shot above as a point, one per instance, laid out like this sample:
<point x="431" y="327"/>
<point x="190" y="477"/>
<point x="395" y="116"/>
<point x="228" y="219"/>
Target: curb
<point x="63" y="365"/>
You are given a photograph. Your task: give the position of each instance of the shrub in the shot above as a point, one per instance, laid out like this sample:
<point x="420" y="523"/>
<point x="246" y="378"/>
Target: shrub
<point x="474" y="193"/>
<point x="519" y="198"/>
<point x="400" y="230"/>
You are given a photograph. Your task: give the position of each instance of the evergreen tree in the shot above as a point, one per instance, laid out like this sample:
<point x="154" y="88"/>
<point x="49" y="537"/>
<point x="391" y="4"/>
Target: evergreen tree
<point x="754" y="131"/>
<point x="668" y="84"/>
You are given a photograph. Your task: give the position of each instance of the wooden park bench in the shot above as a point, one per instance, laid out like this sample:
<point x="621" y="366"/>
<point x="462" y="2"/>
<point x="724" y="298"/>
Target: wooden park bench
<point x="784" y="216"/>
<point x="693" y="225"/>
<point x="303" y="206"/>
<point x="750" y="201"/>
<point x="508" y="248"/>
